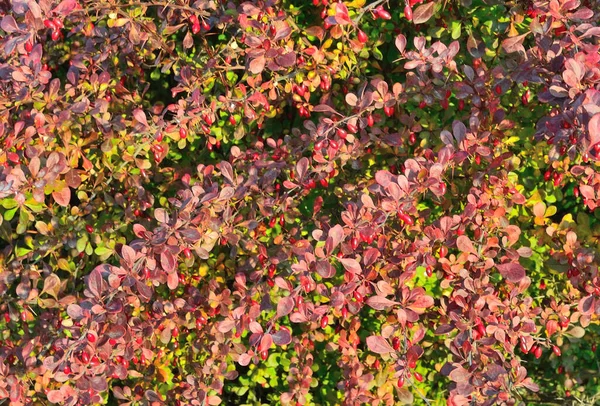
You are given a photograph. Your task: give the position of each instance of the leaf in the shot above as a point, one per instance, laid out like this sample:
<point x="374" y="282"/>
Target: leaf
<point x="512" y="271"/>
<point x="140" y="116"/>
<point x="95" y="283"/>
<point x="167" y="261"/>
<point x="9" y="24"/>
<point x="55" y="396"/>
<point x="65" y="7"/>
<point x="380" y="302"/>
<point x="576" y="332"/>
<point x="52" y="285"/>
<point x="459" y="374"/>
<point x="514" y="44"/>
<point x="265" y="342"/>
<point x="351" y="265"/>
<point x="325" y="269"/>
<point x="379" y="345"/>
<point x="423" y="13"/>
<point x="400" y="43"/>
<point x="282" y="337"/>
<point x="285" y="306"/>
<point x="594" y="129"/>
<point x="62" y="196"/>
<point x="257" y="65"/>
<point x="464" y="244"/>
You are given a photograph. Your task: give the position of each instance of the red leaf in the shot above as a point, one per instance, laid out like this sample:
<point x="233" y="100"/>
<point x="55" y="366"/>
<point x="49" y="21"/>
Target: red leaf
<point x="257" y="65"/>
<point x="325" y="269"/>
<point x="351" y="265"/>
<point x="594" y="129"/>
<point x="423" y="13"/>
<point x="512" y="271"/>
<point x="265" y="342"/>
<point x="63" y="196"/>
<point x="459" y="374"/>
<point x="379" y="345"/>
<point x="285" y="306"/>
<point x="380" y="302"/>
<point x="464" y="244"/>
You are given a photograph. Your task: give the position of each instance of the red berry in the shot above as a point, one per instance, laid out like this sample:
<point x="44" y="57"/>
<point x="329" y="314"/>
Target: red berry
<point x="324" y="182"/>
<point x="352" y="128"/>
<point x="67" y="370"/>
<point x="556" y="351"/>
<point x="461" y="104"/>
<point x="357" y="296"/>
<point x="187" y="253"/>
<point x="388" y="110"/>
<point x="370" y="120"/>
<point x="412" y="138"/>
<point x="232" y="120"/>
<point x="91" y="337"/>
<point x="182" y="133"/>
<point x="538" y="352"/>
<point x="498" y="89"/>
<point x="418" y="377"/>
<point x="342" y="133"/>
<point x="412" y="364"/>
<point x="55" y="35"/>
<point x="395" y="343"/>
<point x="362" y="36"/>
<point x="382" y="13"/>
<point x="89" y="228"/>
<point x="542" y="285"/>
<point x="408" y="13"/>
<point x="264" y="355"/>
<point x="196" y="28"/>
<point x="354" y="243"/>
<point x="443" y="251"/>
<point x="85" y="357"/>
<point x="324" y="321"/>
<point x="400" y="382"/>
<point x="28" y="46"/>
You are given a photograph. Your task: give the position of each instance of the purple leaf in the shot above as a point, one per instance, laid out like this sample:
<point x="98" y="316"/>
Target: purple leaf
<point x="512" y="271"/>
<point x="282" y="337"/>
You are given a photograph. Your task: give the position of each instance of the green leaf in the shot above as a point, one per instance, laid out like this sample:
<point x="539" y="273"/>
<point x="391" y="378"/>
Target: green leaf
<point x="455" y="29"/>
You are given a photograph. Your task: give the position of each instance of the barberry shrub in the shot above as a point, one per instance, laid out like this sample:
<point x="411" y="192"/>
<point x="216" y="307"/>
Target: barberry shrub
<point x="299" y="202"/>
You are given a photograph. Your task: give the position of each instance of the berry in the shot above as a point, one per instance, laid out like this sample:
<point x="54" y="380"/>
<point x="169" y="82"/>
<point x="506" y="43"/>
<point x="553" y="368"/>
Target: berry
<point x="362" y="37"/>
<point x="324" y="321"/>
<point x="498" y="89"/>
<point x="408" y="13"/>
<point x="89" y="228"/>
<point x="182" y="133"/>
<point x="91" y="337"/>
<point x="556" y="351"/>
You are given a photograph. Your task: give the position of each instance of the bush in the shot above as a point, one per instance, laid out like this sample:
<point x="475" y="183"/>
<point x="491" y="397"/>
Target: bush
<point x="286" y="202"/>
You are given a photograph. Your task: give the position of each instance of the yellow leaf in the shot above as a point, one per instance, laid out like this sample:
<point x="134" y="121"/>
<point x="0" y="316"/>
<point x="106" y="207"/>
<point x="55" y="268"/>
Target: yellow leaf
<point x="356" y="3"/>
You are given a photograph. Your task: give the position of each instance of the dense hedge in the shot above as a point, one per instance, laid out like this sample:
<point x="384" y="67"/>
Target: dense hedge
<point x="295" y="202"/>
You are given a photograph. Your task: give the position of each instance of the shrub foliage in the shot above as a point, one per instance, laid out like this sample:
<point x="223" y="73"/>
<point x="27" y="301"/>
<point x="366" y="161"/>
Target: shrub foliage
<point x="293" y="202"/>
